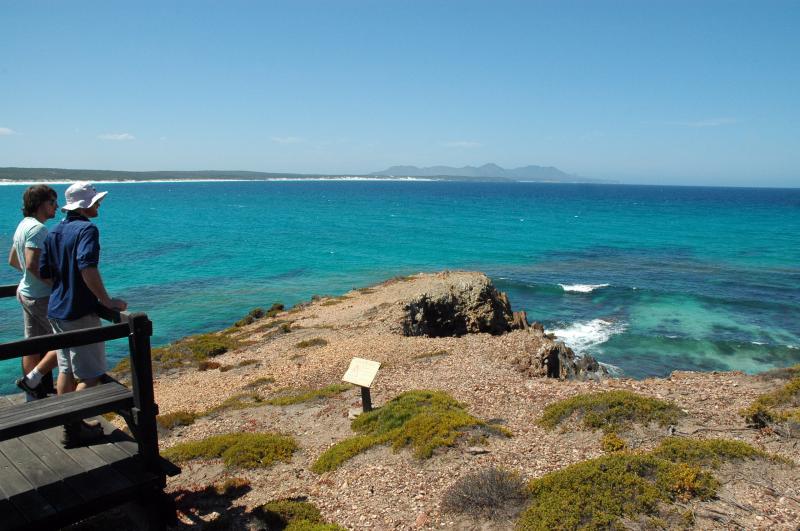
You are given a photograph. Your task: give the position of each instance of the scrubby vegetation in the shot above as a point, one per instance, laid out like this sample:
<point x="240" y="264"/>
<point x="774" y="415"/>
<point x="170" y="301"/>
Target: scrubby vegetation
<point x="187" y="351"/>
<point x="639" y="487"/>
<point x="238" y="401"/>
<point x="207" y="365"/>
<point x="432" y="354"/>
<point x="288" y="397"/>
<point x="244" y="450"/>
<point x="314" y="342"/>
<point x="424" y="420"/>
<point x="260" y="382"/>
<point x="177" y="418"/>
<point x="293" y="515"/>
<point x="485" y="493"/>
<point x="781" y="405"/>
<point x="611" y="411"/>
<point x="612" y="442"/>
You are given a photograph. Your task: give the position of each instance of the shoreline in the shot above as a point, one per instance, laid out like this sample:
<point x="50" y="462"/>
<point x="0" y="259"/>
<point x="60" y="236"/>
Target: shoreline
<point x="311" y="345"/>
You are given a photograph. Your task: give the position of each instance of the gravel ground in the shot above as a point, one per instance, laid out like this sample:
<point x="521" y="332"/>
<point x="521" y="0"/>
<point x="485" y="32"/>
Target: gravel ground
<point x="381" y="489"/>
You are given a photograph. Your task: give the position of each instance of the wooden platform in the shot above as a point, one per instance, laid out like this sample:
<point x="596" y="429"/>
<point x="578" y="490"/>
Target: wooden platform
<point x="44" y="486"/>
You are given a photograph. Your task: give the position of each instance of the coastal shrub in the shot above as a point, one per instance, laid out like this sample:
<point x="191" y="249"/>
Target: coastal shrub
<point x="424" y="420"/>
<point x="245" y="363"/>
<point x="781" y="405"/>
<point x="177" y="418"/>
<point x="206" y="365"/>
<point x="275" y="309"/>
<point x="710" y="452"/>
<point x="288" y="396"/>
<point x="612" y="442"/>
<point x="238" y="401"/>
<point x="251" y="317"/>
<point x="432" y="354"/>
<point x="193" y="349"/>
<point x="293" y="515"/>
<point x="639" y="487"/>
<point x="260" y="382"/>
<point x="232" y="487"/>
<point x="595" y="494"/>
<point x="244" y="450"/>
<point x="484" y="493"/>
<point x="314" y="342"/>
<point x="226" y="368"/>
<point x="611" y="411"/>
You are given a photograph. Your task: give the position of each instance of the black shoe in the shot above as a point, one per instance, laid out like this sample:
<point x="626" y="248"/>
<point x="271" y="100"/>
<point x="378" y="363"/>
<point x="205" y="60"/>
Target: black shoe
<point x="80" y="434"/>
<point x="37" y="392"/>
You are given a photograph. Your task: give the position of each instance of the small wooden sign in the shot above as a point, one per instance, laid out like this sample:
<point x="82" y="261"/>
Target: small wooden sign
<point x="361" y="372"/>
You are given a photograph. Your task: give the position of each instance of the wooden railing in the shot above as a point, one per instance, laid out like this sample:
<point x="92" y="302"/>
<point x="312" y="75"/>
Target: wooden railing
<point x="138" y="328"/>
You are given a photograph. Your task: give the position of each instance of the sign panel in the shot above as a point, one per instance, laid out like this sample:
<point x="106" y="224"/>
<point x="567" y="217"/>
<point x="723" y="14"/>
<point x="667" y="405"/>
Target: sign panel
<point x="361" y="372"/>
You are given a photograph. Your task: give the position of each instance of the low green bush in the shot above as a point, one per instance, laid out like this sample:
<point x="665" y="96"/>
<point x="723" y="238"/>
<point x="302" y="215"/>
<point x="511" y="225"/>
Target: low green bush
<point x="177" y="418"/>
<point x="244" y="450"/>
<point x="315" y="342"/>
<point x="293" y="515"/>
<point x="424" y="420"/>
<point x="611" y="411"/>
<point x="637" y="486"/>
<point x="778" y="406"/>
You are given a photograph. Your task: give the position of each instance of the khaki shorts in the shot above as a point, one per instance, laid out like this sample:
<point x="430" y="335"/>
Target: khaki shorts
<point x="86" y="361"/>
<point x="34" y="316"/>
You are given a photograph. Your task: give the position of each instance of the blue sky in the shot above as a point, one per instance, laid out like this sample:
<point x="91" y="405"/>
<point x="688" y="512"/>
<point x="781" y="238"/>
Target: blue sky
<point x="644" y="92"/>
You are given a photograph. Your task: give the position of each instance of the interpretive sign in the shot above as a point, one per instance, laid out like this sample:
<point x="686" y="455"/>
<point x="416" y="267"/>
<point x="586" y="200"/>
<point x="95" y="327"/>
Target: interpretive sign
<point x="361" y="372"/>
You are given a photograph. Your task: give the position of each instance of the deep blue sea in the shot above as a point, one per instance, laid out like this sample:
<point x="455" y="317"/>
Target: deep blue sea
<point x="648" y="279"/>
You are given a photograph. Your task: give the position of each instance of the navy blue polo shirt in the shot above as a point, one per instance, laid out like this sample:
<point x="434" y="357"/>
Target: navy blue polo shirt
<point x="73" y="245"/>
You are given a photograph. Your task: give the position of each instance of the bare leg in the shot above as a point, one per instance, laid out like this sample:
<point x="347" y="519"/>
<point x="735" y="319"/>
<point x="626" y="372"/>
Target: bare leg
<point x="89" y="382"/>
<point x="48" y="363"/>
<point x="30" y="362"/>
<point x="65" y="383"/>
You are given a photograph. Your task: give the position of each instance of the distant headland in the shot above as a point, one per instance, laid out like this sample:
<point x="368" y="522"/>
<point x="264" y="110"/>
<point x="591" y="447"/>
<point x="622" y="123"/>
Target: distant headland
<point x="485" y="173"/>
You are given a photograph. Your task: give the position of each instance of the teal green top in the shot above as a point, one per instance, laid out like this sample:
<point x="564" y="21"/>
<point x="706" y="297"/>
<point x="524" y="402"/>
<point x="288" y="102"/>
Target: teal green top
<point x="31" y="234"/>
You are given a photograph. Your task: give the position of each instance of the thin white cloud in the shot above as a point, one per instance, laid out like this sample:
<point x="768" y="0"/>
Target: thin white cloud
<point x="7" y="131"/>
<point x="711" y="122"/>
<point x="116" y="136"/>
<point x="287" y="139"/>
<point x="462" y="144"/>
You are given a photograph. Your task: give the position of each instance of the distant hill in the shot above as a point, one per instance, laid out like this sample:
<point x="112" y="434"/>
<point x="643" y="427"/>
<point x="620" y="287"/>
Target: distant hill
<point x="489" y="171"/>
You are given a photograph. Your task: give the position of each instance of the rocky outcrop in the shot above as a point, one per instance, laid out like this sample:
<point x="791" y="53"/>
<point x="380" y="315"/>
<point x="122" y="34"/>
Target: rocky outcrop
<point x="544" y="357"/>
<point x="457" y="303"/>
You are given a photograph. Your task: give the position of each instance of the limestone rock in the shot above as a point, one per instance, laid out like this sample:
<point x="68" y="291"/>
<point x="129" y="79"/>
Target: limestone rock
<point x="455" y="304"/>
<point x="543" y="357"/>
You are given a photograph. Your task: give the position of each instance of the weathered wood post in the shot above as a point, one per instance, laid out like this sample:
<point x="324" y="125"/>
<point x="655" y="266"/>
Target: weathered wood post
<point x="144" y="405"/>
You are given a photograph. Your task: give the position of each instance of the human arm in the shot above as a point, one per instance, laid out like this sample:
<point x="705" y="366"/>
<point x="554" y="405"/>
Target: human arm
<point x="13" y="259"/>
<point x="91" y="276"/>
<point x="32" y="257"/>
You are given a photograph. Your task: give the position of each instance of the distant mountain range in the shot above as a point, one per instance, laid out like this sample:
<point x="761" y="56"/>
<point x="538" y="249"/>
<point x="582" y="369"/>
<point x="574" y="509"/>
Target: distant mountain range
<point x="489" y="172"/>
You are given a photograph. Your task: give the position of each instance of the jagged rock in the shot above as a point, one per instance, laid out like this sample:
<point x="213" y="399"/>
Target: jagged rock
<point x="544" y="357"/>
<point x="520" y="321"/>
<point x="538" y="327"/>
<point x="456" y="304"/>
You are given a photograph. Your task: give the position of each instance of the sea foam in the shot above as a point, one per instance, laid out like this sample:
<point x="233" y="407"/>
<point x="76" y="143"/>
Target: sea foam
<point x="582" y="288"/>
<point x="582" y="337"/>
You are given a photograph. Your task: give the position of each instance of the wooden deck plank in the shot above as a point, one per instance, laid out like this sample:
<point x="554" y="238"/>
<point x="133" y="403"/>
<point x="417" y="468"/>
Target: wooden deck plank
<point x="47" y="482"/>
<point x="16" y="488"/>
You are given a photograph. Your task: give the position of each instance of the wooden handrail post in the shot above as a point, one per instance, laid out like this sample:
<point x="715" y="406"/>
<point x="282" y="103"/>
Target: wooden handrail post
<point x="145" y="408"/>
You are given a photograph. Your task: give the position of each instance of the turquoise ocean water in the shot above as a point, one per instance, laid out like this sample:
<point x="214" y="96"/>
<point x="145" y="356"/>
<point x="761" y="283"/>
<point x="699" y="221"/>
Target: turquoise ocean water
<point x="647" y="279"/>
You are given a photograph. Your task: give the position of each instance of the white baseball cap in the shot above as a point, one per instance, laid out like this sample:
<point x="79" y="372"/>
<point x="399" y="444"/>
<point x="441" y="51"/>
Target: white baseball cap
<point x="81" y="195"/>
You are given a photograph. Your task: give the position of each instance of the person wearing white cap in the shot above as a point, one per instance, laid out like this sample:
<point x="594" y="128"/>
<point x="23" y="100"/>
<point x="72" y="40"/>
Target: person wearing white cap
<point x="70" y="259"/>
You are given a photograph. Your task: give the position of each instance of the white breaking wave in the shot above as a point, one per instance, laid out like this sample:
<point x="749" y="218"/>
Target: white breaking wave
<point x="582" y="337"/>
<point x="582" y="288"/>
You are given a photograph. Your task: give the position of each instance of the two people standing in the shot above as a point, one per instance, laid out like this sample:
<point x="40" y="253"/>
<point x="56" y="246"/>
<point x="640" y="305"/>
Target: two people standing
<point x="69" y="261"/>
